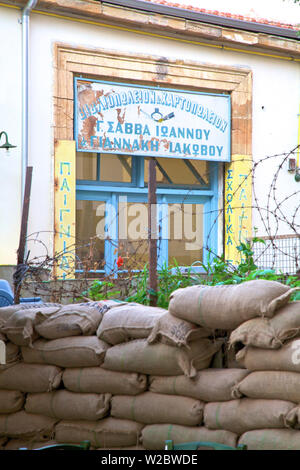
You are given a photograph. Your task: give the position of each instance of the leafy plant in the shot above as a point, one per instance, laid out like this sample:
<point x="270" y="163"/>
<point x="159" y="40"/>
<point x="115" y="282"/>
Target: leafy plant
<point x="216" y="271"/>
<point x="169" y="279"/>
<point x="221" y="272"/>
<point x="139" y="288"/>
<point x="100" y="290"/>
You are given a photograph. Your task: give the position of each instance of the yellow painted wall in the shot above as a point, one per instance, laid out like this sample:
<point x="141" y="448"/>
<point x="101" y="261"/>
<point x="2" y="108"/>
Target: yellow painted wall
<point x="237" y="205"/>
<point x="64" y="208"/>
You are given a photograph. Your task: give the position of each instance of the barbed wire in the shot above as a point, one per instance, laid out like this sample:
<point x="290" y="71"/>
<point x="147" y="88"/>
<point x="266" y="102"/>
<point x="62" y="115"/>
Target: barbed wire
<point x="277" y="214"/>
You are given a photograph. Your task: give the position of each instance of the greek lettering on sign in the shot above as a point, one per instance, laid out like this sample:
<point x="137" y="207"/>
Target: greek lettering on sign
<point x="64" y="207"/>
<point x="120" y="118"/>
<point x="237" y="206"/>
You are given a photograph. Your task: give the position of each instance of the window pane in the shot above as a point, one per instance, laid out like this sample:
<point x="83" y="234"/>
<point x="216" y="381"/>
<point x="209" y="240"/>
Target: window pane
<point x="185" y="233"/>
<point x="115" y="168"/>
<point x="133" y="234"/>
<point x="180" y="172"/>
<point x="90" y="223"/>
<point x="86" y="166"/>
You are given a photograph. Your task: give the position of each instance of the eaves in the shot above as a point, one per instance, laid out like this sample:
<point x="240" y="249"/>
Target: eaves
<point x="170" y="22"/>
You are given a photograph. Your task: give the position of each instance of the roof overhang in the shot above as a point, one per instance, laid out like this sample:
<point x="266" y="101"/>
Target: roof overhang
<point x="189" y="26"/>
<point x="217" y="20"/>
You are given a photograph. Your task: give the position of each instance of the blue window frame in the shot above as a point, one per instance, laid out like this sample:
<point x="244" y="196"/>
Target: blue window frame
<point x="136" y="191"/>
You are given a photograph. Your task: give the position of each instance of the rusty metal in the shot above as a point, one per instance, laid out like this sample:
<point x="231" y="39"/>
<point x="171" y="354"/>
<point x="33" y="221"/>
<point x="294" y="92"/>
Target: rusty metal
<point x="23" y="232"/>
<point x="152" y="231"/>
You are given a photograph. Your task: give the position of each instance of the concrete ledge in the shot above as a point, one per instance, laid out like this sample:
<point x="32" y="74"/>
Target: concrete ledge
<point x="166" y="25"/>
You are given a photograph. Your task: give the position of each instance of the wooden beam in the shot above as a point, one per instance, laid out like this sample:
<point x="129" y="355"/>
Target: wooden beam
<point x="23" y="234"/>
<point x="152" y="232"/>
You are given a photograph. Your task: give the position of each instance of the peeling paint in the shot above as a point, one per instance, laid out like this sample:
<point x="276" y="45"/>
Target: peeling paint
<point x="88" y="128"/>
<point x="242" y="38"/>
<point x="145" y="120"/>
<point x="162" y="68"/>
<point x="120" y="118"/>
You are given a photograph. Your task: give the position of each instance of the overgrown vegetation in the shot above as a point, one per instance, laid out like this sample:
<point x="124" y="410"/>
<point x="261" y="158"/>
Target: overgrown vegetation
<point x="100" y="290"/>
<point x="214" y="272"/>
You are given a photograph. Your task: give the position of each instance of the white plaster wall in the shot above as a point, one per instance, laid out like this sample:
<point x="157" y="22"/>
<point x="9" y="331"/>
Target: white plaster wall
<point x="276" y="97"/>
<point x="10" y="122"/>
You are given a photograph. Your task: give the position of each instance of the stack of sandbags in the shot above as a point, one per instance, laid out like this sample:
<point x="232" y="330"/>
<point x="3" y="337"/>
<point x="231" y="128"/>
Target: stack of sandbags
<point x="271" y="354"/>
<point x="208" y="385"/>
<point x="34" y="366"/>
<point x="84" y="372"/>
<point x="150" y="341"/>
<point x="15" y="380"/>
<point x="41" y="344"/>
<point x="130" y="376"/>
<point x="269" y="333"/>
<point x="233" y="307"/>
<point x="176" y="356"/>
<point x="226" y="307"/>
<point x="20" y="317"/>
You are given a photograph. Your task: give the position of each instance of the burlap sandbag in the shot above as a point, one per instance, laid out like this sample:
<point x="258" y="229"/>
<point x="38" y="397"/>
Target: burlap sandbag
<point x="9" y="310"/>
<point x="208" y="385"/>
<point x="154" y="408"/>
<point x="161" y="359"/>
<point x="26" y="425"/>
<point x="256" y="332"/>
<point x="155" y="435"/>
<point x="30" y="378"/>
<point x="105" y="433"/>
<point x="225" y="307"/>
<point x="63" y="404"/>
<point x="230" y="358"/>
<point x="19" y="328"/>
<point x="176" y="332"/>
<point x="105" y="305"/>
<point x="271" y="385"/>
<point x="12" y="355"/>
<point x="74" y="351"/>
<point x="271" y="439"/>
<point x="11" y="401"/>
<point x="128" y="321"/>
<point x="98" y="380"/>
<point x="269" y="333"/>
<point x="246" y="414"/>
<point x="292" y="419"/>
<point x="286" y="358"/>
<point x="69" y="320"/>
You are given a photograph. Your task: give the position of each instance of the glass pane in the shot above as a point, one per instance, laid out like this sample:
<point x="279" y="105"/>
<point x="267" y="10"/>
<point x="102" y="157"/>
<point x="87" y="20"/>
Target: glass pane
<point x="86" y="166"/>
<point x="90" y="225"/>
<point x="180" y="172"/>
<point x="185" y="230"/>
<point x="133" y="234"/>
<point x="115" y="168"/>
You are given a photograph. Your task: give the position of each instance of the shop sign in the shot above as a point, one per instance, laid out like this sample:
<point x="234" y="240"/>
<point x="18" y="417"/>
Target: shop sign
<point x="64" y="208"/>
<point x="237" y="206"/>
<point x="151" y="122"/>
